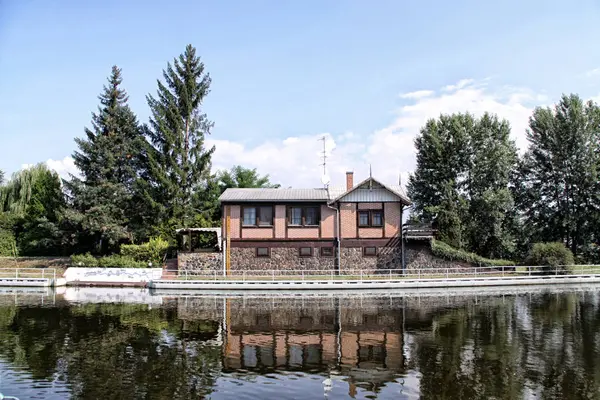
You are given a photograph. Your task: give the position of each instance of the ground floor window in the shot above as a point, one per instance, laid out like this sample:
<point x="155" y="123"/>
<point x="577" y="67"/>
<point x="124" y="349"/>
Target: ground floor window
<point x="305" y="251"/>
<point x="263" y="252"/>
<point x="326" y="251"/>
<point x="369" y="251"/>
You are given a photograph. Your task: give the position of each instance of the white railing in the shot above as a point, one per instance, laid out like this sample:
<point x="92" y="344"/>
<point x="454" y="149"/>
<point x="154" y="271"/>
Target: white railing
<point x="28" y="273"/>
<point x="390" y="274"/>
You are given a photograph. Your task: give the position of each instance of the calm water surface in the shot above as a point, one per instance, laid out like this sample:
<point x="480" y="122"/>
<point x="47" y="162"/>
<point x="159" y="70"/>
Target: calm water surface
<point x="84" y="345"/>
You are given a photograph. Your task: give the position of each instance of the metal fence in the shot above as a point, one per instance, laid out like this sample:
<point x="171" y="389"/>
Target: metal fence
<point x="28" y="273"/>
<point x="390" y="274"/>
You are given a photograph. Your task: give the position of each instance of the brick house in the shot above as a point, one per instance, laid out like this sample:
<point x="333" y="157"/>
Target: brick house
<point x="353" y="227"/>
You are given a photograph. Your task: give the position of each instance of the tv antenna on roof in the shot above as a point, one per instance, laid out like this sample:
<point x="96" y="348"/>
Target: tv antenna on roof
<point x="324" y="178"/>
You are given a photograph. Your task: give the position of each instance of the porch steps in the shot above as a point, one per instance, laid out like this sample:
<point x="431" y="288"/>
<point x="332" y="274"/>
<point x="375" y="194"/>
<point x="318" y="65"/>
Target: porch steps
<point x="170" y="269"/>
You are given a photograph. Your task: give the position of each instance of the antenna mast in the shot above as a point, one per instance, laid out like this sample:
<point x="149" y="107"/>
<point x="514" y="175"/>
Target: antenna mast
<point x="324" y="178"/>
<point x="324" y="156"/>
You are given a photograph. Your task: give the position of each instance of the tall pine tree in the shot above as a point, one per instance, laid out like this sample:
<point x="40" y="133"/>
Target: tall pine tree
<point x="108" y="164"/>
<point x="177" y="162"/>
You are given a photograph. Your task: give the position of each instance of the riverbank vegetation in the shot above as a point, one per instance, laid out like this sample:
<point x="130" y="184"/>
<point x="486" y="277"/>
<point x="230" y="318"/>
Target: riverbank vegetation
<point x="136" y="181"/>
<point x="485" y="198"/>
<point x="139" y="181"/>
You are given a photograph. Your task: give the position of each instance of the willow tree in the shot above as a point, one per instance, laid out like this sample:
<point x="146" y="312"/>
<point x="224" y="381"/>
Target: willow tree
<point x="177" y="161"/>
<point x="33" y="204"/>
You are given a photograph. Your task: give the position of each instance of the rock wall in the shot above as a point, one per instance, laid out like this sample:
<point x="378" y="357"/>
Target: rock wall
<point x="418" y="256"/>
<point x="209" y="261"/>
<point x="282" y="258"/>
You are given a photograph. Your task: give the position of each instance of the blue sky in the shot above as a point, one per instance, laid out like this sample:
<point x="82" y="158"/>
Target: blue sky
<point x="365" y="74"/>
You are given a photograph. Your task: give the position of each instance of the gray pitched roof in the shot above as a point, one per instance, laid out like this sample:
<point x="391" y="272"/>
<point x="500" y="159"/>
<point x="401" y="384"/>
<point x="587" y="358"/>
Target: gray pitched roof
<point x="257" y="195"/>
<point x="291" y="195"/>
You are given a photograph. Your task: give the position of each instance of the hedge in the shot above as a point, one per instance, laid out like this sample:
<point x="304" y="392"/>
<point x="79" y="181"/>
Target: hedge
<point x="114" y="261"/>
<point x="447" y="252"/>
<point x="153" y="251"/>
<point x="550" y="256"/>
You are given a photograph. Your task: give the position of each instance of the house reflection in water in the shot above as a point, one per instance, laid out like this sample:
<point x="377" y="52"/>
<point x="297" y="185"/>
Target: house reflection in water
<point x="358" y="338"/>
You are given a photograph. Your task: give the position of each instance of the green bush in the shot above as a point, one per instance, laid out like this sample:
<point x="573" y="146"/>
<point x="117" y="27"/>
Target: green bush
<point x="8" y="243"/>
<point x="153" y="251"/>
<point x="84" y="260"/>
<point x="114" y="261"/>
<point x="550" y="256"/>
<point x="447" y="252"/>
<point x="119" y="261"/>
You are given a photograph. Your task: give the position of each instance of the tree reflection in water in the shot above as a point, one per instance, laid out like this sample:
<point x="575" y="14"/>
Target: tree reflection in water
<point x="542" y="345"/>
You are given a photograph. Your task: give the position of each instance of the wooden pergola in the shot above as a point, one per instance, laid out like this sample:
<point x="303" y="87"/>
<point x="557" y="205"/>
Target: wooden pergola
<point x="187" y="235"/>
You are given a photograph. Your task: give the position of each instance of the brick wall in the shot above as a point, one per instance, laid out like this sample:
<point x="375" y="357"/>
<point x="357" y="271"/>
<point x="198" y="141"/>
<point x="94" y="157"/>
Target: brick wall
<point x="393" y="219"/>
<point x="257" y="233"/>
<point x="328" y="221"/>
<point x="280" y="222"/>
<point x="370" y="233"/>
<point x="370" y="206"/>
<point x="348" y="220"/>
<point x="235" y="221"/>
<point x="303" y="233"/>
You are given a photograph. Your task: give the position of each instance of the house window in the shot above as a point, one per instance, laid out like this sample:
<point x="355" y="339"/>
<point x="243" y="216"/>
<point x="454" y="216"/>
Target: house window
<point x="370" y="218"/>
<point x="304" y="216"/>
<point x="376" y="218"/>
<point x="249" y="216"/>
<point x="265" y="216"/>
<point x="263" y="252"/>
<point x="326" y="251"/>
<point x="369" y="251"/>
<point x="363" y="218"/>
<point x="258" y="216"/>
<point x="296" y="216"/>
<point x="305" y="251"/>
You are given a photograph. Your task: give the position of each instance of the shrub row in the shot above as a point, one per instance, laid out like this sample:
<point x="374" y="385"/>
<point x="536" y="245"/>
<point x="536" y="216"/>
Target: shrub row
<point x="153" y="251"/>
<point x="447" y="252"/>
<point x="114" y="261"/>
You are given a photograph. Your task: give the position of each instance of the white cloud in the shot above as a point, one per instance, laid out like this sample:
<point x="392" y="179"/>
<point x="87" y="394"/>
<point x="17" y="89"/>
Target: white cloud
<point x="63" y="167"/>
<point x="417" y="94"/>
<point x="459" y="85"/>
<point x="592" y="73"/>
<point x="390" y="150"/>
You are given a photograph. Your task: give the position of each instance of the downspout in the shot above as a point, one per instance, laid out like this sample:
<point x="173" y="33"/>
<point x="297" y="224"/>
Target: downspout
<point x="337" y="236"/>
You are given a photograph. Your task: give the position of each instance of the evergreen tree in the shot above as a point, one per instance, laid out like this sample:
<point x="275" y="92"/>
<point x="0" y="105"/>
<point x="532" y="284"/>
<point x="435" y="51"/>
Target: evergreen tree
<point x="108" y="164"/>
<point x="1" y="177"/>
<point x="557" y="188"/>
<point x="177" y="162"/>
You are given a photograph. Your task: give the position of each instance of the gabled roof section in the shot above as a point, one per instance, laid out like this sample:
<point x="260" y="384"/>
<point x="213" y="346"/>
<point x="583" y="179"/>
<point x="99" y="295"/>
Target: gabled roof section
<point x="372" y="190"/>
<point x="257" y="195"/>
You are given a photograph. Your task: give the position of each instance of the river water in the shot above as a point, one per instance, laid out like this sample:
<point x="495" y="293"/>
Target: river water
<point x="133" y="344"/>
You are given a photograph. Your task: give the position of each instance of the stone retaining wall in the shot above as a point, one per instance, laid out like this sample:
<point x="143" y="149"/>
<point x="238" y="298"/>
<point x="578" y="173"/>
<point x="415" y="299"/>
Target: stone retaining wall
<point x="418" y="256"/>
<point x="209" y="261"/>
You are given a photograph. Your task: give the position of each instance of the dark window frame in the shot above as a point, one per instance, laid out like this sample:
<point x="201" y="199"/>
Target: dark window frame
<point x="370" y="218"/>
<point x="303" y="208"/>
<point x="257" y="218"/>
<point x="263" y="255"/>
<point x="364" y="251"/>
<point x="305" y="255"/>
<point x="327" y="248"/>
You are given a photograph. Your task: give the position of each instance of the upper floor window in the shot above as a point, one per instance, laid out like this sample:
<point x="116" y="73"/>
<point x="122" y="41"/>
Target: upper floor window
<point x="304" y="215"/>
<point x="370" y="218"/>
<point x="257" y="216"/>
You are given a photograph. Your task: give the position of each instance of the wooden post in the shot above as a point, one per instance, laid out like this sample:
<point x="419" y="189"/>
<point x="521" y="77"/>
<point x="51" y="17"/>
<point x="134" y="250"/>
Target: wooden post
<point x="228" y="245"/>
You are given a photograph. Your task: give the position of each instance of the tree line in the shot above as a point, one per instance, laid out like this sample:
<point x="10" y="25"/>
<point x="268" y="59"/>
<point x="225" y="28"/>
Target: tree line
<point x="136" y="180"/>
<point x="482" y="196"/>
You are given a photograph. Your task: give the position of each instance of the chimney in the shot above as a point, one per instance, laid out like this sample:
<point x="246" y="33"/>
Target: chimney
<point x="349" y="180"/>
